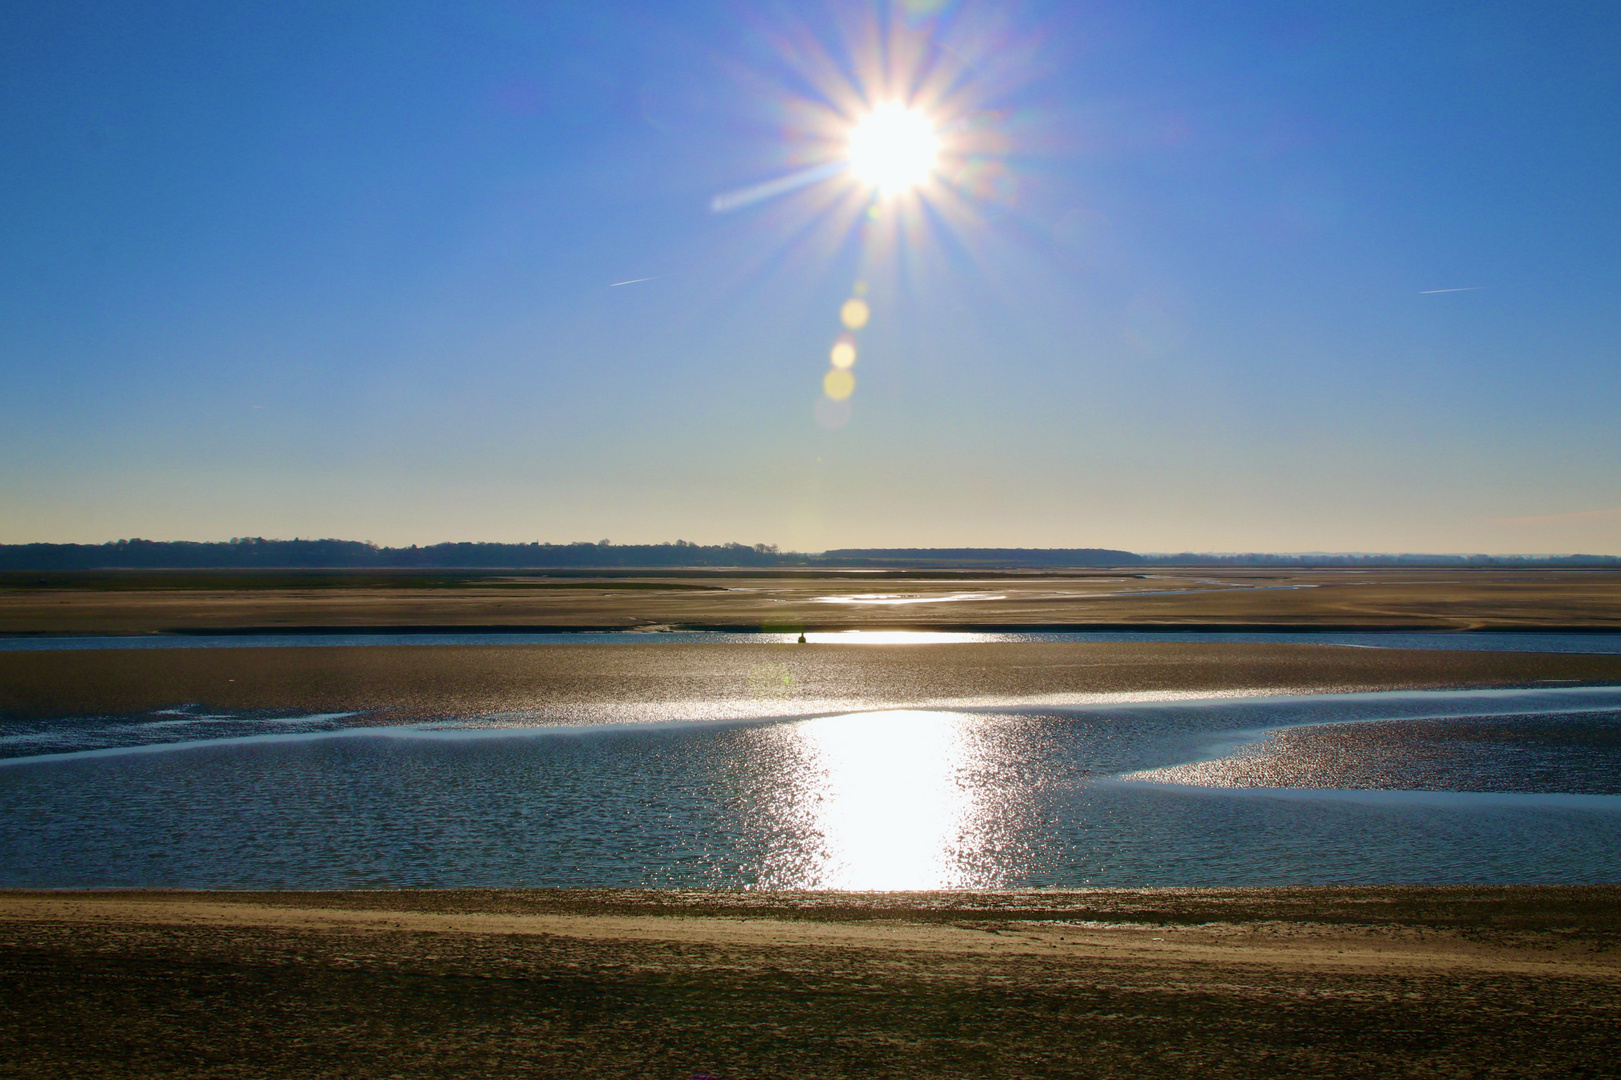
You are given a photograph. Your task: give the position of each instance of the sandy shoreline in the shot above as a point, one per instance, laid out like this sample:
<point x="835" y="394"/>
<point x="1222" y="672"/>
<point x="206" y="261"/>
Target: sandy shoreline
<point x="1323" y="981"/>
<point x="135" y="602"/>
<point x="395" y="683"/>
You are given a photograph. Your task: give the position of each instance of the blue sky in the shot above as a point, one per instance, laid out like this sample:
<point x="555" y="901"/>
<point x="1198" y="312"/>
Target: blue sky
<point x="350" y="270"/>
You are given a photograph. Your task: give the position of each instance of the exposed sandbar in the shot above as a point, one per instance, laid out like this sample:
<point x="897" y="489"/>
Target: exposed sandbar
<point x="400" y="682"/>
<point x="138" y="602"/>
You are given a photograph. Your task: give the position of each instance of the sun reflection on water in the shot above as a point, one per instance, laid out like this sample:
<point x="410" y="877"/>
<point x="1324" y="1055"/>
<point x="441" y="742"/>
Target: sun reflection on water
<point x="891" y="800"/>
<point x="895" y="637"/>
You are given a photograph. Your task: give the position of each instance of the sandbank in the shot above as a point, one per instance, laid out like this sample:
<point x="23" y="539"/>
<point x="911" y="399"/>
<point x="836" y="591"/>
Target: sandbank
<point x="387" y="684"/>
<point x="1300" y="981"/>
<point x="146" y="602"/>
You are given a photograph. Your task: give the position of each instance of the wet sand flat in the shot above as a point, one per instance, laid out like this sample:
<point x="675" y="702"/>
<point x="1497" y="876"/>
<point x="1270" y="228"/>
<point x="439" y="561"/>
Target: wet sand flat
<point x="698" y="680"/>
<point x="1304" y="982"/>
<point x="136" y="602"/>
<point x="1281" y="982"/>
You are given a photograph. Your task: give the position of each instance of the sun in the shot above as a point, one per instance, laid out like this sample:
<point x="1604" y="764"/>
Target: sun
<point x="893" y="148"/>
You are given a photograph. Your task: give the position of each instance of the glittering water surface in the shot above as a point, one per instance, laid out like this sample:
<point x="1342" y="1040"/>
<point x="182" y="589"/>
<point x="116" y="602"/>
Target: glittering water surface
<point x="1415" y="787"/>
<point x="1576" y="752"/>
<point x="1604" y="642"/>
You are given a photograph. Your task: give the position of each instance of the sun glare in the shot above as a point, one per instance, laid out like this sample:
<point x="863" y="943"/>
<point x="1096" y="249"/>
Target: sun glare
<point x="893" y="148"/>
<point x="900" y="142"/>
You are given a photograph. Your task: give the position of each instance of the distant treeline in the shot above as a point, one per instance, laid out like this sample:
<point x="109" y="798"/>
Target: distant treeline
<point x="256" y="553"/>
<point x="1024" y="557"/>
<point x="1189" y="558"/>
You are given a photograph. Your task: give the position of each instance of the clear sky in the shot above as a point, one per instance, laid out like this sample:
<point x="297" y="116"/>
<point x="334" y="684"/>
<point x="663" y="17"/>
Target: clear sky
<point x="1174" y="276"/>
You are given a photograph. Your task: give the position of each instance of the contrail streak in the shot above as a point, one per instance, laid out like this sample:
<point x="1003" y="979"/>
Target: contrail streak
<point x="632" y="281"/>
<point x="734" y="200"/>
<point x="1468" y="288"/>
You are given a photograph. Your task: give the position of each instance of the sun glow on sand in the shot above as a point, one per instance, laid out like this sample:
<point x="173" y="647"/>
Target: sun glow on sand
<point x="893" y="148"/>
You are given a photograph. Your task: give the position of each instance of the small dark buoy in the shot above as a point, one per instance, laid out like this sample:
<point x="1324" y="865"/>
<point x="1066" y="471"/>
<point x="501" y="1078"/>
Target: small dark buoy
<point x="802" y="637"/>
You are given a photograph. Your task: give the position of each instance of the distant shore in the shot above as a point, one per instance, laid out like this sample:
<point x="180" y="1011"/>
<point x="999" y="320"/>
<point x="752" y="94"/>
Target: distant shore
<point x="565" y="630"/>
<point x="1144" y="983"/>
<point x="1207" y="599"/>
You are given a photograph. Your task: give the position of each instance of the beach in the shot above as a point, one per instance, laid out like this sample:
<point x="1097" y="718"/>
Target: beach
<point x="389" y="684"/>
<point x="148" y="602"/>
<point x="1320" y="981"/>
<point x="1282" y="982"/>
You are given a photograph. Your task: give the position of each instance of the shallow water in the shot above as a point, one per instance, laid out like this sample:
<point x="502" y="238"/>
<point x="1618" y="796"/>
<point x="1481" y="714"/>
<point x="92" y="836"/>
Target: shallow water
<point x="1605" y="643"/>
<point x="902" y="799"/>
<point x="1572" y="752"/>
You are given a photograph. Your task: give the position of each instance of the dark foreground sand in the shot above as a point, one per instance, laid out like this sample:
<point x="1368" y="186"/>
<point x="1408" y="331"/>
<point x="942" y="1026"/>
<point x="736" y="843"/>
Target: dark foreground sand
<point x="674" y="681"/>
<point x="1321" y="982"/>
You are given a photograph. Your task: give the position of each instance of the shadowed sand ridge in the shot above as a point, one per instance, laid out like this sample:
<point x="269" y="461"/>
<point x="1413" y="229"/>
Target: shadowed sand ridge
<point x="1319" y="982"/>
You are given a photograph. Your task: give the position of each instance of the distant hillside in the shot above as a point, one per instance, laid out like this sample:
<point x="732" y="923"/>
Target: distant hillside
<point x="256" y="553"/>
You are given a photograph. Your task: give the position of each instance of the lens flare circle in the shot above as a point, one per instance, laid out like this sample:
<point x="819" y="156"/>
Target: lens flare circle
<point x="838" y="384"/>
<point x="893" y="148"/>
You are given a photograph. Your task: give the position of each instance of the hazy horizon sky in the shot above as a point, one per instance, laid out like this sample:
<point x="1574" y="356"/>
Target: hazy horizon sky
<point x="1238" y="277"/>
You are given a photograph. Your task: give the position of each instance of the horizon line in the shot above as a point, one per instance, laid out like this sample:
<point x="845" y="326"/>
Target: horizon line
<point x="773" y="550"/>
